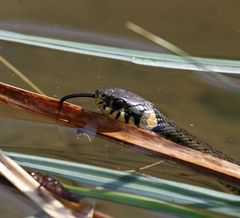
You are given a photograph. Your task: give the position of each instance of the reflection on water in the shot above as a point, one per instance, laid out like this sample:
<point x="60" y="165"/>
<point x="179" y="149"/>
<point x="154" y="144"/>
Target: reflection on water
<point x="76" y="136"/>
<point x="72" y="34"/>
<point x="22" y="205"/>
<point x="64" y="143"/>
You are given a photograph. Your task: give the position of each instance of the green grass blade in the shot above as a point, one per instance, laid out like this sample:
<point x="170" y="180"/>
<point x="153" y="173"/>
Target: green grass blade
<point x="149" y="187"/>
<point x="135" y="200"/>
<point x="134" y="56"/>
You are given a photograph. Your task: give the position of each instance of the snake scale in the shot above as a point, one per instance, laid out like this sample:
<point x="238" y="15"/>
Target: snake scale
<point x="126" y="106"/>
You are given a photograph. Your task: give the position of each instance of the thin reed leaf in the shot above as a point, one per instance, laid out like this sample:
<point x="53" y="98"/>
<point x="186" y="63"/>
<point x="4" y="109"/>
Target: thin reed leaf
<point x="176" y="50"/>
<point x="136" y="200"/>
<point x="154" y="189"/>
<point x="20" y="75"/>
<point x="134" y="56"/>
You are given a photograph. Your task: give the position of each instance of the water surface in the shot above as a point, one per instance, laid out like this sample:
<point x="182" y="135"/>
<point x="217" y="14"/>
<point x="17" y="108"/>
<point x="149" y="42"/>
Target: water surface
<point x="209" y="29"/>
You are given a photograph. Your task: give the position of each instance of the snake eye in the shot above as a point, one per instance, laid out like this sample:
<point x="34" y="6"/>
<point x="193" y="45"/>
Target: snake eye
<point x="118" y="104"/>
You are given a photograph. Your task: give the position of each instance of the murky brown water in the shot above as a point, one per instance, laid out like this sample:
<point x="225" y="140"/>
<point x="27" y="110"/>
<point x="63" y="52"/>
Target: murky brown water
<point x="202" y="28"/>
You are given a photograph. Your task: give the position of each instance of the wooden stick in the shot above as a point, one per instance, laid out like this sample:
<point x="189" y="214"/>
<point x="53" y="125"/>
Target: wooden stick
<point x="135" y="138"/>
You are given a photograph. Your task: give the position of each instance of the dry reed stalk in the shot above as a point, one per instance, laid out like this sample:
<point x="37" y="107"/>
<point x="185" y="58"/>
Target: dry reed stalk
<point x="135" y="138"/>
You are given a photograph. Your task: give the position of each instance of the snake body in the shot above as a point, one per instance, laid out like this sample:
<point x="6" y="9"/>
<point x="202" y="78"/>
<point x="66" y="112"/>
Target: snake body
<point x="130" y="108"/>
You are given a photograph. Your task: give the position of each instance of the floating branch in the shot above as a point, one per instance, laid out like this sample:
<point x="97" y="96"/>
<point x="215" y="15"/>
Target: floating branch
<point x="135" y="138"/>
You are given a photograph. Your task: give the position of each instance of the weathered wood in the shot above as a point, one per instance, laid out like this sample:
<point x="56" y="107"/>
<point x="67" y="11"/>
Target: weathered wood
<point x="135" y="138"/>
